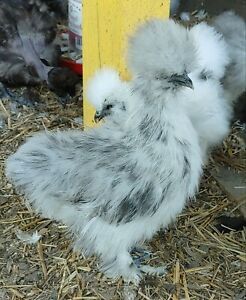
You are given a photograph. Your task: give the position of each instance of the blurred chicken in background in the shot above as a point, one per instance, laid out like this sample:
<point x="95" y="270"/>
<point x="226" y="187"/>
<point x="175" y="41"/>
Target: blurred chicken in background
<point x="233" y="28"/>
<point x="228" y="18"/>
<point x="29" y="54"/>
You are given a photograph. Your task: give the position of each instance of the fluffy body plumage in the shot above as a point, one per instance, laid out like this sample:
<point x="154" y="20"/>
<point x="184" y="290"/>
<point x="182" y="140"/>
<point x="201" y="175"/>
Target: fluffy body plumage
<point x="233" y="28"/>
<point x="116" y="186"/>
<point x="28" y="53"/>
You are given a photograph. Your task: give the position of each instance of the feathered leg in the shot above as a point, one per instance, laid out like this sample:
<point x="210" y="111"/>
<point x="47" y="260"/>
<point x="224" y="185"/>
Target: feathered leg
<point x="122" y="265"/>
<point x="141" y="256"/>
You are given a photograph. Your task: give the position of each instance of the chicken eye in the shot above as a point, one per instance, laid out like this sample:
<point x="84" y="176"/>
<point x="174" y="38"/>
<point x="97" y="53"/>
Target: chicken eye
<point x="205" y="75"/>
<point x="109" y="106"/>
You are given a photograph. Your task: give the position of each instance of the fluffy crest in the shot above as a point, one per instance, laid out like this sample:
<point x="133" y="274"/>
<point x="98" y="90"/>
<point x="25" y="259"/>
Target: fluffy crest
<point x="211" y="48"/>
<point x="101" y="85"/>
<point x="161" y="46"/>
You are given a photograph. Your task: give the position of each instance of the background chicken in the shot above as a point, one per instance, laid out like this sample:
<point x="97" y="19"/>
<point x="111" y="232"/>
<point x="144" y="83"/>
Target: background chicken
<point x="28" y="52"/>
<point x="207" y="104"/>
<point x="233" y="28"/>
<point x="113" y="187"/>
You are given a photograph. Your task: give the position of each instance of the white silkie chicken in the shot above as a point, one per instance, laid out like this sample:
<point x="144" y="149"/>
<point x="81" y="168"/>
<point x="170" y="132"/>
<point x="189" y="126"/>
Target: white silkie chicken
<point x="113" y="186"/>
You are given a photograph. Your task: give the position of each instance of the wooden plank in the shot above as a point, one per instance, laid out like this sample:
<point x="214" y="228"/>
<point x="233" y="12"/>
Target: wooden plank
<point x="106" y="27"/>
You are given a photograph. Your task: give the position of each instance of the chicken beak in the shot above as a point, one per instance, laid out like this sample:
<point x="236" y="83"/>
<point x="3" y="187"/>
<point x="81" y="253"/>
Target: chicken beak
<point x="182" y="80"/>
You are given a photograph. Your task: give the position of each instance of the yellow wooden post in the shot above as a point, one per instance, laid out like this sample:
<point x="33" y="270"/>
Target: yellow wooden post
<point x="106" y="27"/>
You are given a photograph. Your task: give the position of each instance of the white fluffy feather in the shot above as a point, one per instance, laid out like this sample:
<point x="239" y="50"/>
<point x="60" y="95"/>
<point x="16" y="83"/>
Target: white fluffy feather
<point x="208" y="109"/>
<point x="146" y="55"/>
<point x="112" y="95"/>
<point x="101" y="85"/>
<point x="212" y="52"/>
<point x="207" y="105"/>
<point x="28" y="238"/>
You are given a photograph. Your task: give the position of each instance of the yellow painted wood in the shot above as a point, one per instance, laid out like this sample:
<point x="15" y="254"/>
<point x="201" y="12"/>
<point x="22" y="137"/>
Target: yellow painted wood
<point x="106" y="27"/>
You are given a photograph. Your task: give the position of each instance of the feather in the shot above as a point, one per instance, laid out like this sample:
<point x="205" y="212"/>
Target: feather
<point x="101" y="85"/>
<point x="27" y="237"/>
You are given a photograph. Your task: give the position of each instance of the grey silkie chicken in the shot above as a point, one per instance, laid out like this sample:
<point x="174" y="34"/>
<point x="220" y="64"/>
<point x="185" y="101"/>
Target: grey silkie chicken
<point x="233" y="28"/>
<point x="28" y="53"/>
<point x="116" y="186"/>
